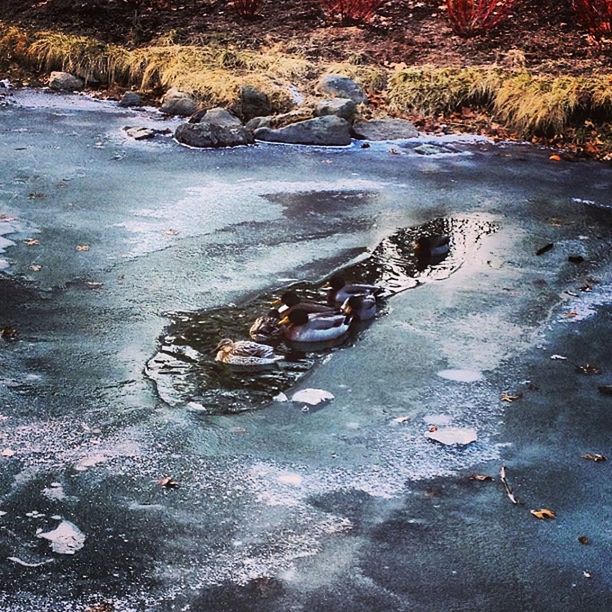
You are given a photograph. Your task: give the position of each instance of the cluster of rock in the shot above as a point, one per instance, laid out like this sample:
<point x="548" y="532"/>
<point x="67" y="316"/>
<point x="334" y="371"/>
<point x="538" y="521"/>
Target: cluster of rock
<point x="331" y="121"/>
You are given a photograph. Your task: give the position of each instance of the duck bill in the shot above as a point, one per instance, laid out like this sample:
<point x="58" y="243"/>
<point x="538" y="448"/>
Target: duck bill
<point x="277" y="302"/>
<point x="284" y="321"/>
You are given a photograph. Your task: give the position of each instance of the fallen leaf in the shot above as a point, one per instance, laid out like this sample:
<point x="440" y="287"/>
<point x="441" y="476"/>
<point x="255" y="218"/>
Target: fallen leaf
<point x="605" y="389"/>
<point x="36" y="195"/>
<point x="432" y="428"/>
<point x="555" y="157"/>
<point x="577" y="259"/>
<point x="544" y="513"/>
<point x="8" y="333"/>
<point x="584" y="540"/>
<point x="82" y="247"/>
<point x="481" y="477"/>
<point x="507" y="397"/>
<point x="36" y="267"/>
<point x="596" y="457"/>
<point x="570" y="314"/>
<point x="171" y="232"/>
<point x="31" y="242"/>
<point x="586" y="288"/>
<point x="588" y="368"/>
<point x="168" y="483"/>
<point x="394" y="151"/>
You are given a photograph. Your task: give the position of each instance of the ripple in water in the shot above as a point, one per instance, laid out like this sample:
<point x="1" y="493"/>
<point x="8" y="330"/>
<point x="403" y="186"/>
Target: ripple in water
<point x="184" y="369"/>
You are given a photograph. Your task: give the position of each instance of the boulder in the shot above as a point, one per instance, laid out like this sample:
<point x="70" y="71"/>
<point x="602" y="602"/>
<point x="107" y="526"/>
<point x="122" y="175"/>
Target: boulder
<point x="220" y="116"/>
<point x="384" y="129"/>
<point x="253" y="103"/>
<point x="64" y="81"/>
<point x="279" y="121"/>
<point x="130" y="98"/>
<point x="340" y="86"/>
<point x="340" y="107"/>
<point x="207" y="134"/>
<point x="324" y="131"/>
<point x="177" y="102"/>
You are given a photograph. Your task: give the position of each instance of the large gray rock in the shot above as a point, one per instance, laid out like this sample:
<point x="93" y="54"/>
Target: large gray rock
<point x="340" y="107"/>
<point x="177" y="102"/>
<point x="324" y="131"/>
<point x="220" y="116"/>
<point x="211" y="135"/>
<point x="130" y="98"/>
<point x="340" y="86"/>
<point x="253" y="103"/>
<point x="384" y="129"/>
<point x="140" y="133"/>
<point x="64" y="81"/>
<point x="281" y="120"/>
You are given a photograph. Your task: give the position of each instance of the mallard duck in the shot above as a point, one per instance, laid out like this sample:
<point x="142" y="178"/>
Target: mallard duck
<point x="340" y="291"/>
<point x="266" y="327"/>
<point x="245" y="353"/>
<point x="299" y="326"/>
<point x="362" y="307"/>
<point x="292" y="301"/>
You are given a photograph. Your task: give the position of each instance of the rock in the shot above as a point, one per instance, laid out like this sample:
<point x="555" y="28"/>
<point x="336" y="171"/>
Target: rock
<point x="282" y="120"/>
<point x="207" y="134"/>
<point x="177" y="102"/>
<point x="64" y="81"/>
<point x="340" y="86"/>
<point x="384" y="129"/>
<point x="130" y="98"/>
<point x="221" y="117"/>
<point x="340" y="107"/>
<point x="140" y="133"/>
<point x="253" y="103"/>
<point x="324" y="131"/>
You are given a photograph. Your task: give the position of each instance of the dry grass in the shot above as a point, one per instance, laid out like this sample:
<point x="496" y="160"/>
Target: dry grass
<point x="525" y="103"/>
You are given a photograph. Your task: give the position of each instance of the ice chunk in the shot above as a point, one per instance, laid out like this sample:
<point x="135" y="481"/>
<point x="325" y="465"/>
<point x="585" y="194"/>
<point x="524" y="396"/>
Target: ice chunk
<point x="461" y="375"/>
<point x="450" y="436"/>
<point x="312" y="396"/>
<point x="66" y="539"/>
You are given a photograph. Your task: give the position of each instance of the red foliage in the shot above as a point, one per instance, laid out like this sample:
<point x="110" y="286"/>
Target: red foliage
<point x="246" y="8"/>
<point x="595" y="15"/>
<point x="471" y="16"/>
<point x="352" y="11"/>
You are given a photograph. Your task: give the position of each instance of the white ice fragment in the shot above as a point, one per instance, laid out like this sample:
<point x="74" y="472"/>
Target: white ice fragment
<point x="290" y="478"/>
<point x="400" y="420"/>
<point x="461" y="375"/>
<point x="66" y="539"/>
<point x="281" y="397"/>
<point x="312" y="396"/>
<point x="2" y="512"/>
<point x="558" y="357"/>
<point x="453" y="435"/>
<point x="26" y="564"/>
<point x="7" y="452"/>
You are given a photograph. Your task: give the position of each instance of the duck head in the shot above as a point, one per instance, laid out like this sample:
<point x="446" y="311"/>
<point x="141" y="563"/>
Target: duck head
<point x="225" y="346"/>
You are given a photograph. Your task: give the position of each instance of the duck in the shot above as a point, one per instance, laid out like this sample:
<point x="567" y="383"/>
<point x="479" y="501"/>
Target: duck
<point x="300" y="326"/>
<point x="291" y="300"/>
<point x="340" y="290"/>
<point x="245" y="353"/>
<point x="362" y="307"/>
<point x="266" y="328"/>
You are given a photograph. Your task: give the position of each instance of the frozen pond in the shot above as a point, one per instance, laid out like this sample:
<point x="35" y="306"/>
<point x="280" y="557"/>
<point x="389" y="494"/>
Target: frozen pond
<point x="112" y="252"/>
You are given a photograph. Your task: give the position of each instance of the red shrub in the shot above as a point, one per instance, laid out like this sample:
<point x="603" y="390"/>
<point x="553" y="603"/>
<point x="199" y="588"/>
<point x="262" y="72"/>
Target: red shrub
<point x="471" y="16"/>
<point x="352" y="11"/>
<point x="595" y="15"/>
<point x="246" y="8"/>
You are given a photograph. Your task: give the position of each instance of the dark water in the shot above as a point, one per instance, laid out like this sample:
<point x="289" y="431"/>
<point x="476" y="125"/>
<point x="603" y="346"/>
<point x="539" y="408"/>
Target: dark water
<point x="184" y="367"/>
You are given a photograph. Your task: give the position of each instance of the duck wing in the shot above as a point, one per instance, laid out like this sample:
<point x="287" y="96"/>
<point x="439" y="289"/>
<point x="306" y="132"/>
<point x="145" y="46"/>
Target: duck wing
<point x="246" y="348"/>
<point x="323" y="322"/>
<point x="310" y="308"/>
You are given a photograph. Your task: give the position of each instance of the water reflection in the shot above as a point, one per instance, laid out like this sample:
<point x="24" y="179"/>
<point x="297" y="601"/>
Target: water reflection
<point x="184" y="369"/>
